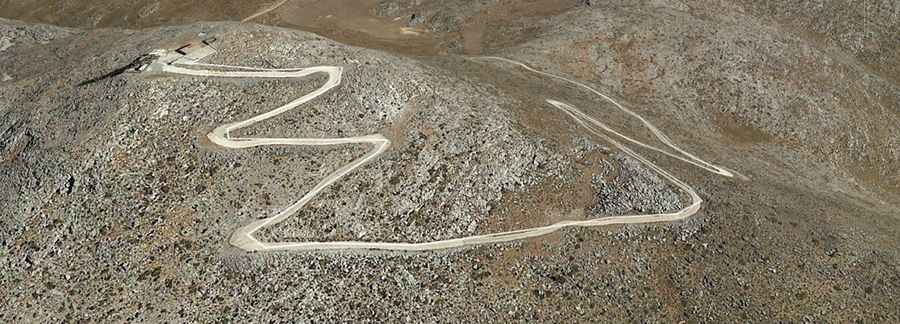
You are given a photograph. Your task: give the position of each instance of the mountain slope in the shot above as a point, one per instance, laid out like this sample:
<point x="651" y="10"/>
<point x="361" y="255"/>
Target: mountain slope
<point x="115" y="206"/>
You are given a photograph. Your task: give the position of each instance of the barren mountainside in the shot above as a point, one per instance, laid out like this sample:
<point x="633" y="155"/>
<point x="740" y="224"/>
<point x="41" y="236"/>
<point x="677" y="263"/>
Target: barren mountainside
<point x="756" y="142"/>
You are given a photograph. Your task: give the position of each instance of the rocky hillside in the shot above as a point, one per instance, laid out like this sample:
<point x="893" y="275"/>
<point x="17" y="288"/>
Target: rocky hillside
<point x="114" y="205"/>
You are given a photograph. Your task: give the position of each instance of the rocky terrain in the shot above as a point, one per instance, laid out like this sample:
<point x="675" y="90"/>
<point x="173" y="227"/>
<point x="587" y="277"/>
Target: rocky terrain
<point x="114" y="205"/>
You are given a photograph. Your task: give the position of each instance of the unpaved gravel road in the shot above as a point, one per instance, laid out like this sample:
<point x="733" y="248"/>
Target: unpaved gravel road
<point x="244" y="239"/>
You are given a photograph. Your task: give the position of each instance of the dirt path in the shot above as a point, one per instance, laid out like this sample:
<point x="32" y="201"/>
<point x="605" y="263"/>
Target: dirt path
<point x="265" y="11"/>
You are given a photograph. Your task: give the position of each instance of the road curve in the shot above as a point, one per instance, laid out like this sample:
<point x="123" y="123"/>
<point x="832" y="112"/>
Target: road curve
<point x="244" y="239"/>
<point x="690" y="158"/>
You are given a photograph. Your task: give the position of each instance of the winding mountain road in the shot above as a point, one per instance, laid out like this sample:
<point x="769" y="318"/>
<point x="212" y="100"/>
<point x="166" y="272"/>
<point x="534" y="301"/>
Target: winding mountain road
<point x="244" y="239"/>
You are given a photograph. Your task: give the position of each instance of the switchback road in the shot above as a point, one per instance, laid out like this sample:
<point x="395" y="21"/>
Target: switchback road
<point x="244" y="238"/>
